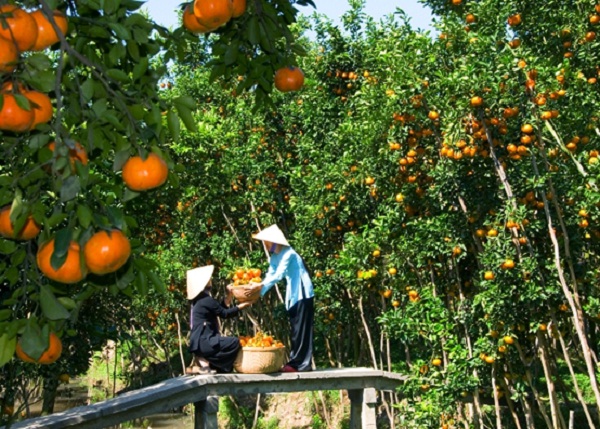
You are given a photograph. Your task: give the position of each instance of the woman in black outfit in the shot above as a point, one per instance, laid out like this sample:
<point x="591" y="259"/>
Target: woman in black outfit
<point x="211" y="350"/>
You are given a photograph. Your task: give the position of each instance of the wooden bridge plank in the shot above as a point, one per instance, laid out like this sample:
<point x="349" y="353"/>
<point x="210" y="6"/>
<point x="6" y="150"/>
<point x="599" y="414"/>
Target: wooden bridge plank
<point x="180" y="391"/>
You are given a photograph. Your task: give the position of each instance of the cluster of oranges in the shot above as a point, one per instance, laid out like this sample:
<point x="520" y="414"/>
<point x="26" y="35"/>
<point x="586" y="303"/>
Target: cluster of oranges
<point x="205" y="16"/>
<point x="259" y="340"/>
<point x="244" y="276"/>
<point x="20" y="31"/>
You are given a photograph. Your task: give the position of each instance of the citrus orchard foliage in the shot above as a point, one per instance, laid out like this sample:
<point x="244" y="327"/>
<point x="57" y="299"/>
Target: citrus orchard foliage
<point x="444" y="186"/>
<point x="83" y="127"/>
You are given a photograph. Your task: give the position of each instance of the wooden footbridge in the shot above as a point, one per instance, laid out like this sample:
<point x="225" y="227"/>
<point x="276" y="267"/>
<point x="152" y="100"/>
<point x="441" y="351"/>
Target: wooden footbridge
<point x="203" y="391"/>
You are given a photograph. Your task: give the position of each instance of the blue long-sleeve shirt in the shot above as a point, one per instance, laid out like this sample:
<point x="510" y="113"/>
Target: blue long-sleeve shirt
<point x="288" y="264"/>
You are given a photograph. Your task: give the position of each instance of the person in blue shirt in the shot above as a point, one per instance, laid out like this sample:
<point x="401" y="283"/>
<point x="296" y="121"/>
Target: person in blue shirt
<point x="285" y="263"/>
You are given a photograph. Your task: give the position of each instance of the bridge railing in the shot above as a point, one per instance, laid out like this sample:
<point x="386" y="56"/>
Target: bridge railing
<point x="203" y="391"/>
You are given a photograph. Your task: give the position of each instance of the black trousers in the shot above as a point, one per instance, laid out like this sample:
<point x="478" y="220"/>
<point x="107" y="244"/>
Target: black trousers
<point x="301" y="323"/>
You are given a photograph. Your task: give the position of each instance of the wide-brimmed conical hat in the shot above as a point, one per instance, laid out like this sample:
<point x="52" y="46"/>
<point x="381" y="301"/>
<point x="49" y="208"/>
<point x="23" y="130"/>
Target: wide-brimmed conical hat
<point x="197" y="279"/>
<point x="272" y="234"/>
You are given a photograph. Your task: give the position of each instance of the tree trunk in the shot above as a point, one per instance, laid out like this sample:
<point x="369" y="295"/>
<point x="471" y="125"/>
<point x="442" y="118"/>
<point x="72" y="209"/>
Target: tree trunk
<point x="49" y="394"/>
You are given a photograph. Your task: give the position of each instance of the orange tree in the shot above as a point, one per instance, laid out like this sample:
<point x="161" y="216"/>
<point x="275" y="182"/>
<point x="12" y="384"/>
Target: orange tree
<point x="443" y="186"/>
<point x="82" y="133"/>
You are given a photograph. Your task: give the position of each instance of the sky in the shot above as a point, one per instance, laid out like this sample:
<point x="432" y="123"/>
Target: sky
<point x="164" y="11"/>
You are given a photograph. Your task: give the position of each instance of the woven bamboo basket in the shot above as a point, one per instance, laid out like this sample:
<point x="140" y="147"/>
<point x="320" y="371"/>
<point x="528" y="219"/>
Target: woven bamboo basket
<point x="238" y="294"/>
<point x="259" y="360"/>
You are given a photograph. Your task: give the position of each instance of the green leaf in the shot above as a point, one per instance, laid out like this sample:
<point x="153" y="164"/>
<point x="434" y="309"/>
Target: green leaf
<point x="62" y="241"/>
<point x="129" y="194"/>
<point x="159" y="284"/>
<point x="7" y="348"/>
<point x="84" y="214"/>
<point x="141" y="283"/>
<point x="33" y="341"/>
<point x="120" y="158"/>
<point x="67" y="302"/>
<point x="186" y="116"/>
<point x="140" y="68"/>
<point x="51" y="307"/>
<point x="7" y="247"/>
<point x="120" y="30"/>
<point x="134" y="52"/>
<point x="185" y="101"/>
<point x="118" y="75"/>
<point x="111" y="6"/>
<point x="5" y="314"/>
<point x="126" y="279"/>
<point x="70" y="188"/>
<point x="173" y="124"/>
<point x="115" y="217"/>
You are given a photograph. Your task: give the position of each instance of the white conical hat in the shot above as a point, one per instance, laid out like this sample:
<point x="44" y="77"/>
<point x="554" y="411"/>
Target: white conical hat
<point x="272" y="234"/>
<point x="197" y="279"/>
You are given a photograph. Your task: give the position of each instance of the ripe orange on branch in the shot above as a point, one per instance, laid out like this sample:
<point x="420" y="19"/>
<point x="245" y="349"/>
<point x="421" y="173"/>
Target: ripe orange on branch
<point x="289" y="79"/>
<point x="192" y="24"/>
<point x="30" y="230"/>
<point x="106" y="251"/>
<point x="18" y="26"/>
<point x="9" y="56"/>
<point x="143" y="174"/>
<point x="50" y="355"/>
<point x="239" y="7"/>
<point x="78" y="153"/>
<point x="213" y="13"/>
<point x="41" y="105"/>
<point x="46" y="34"/>
<point x="71" y="271"/>
<point x="13" y="117"/>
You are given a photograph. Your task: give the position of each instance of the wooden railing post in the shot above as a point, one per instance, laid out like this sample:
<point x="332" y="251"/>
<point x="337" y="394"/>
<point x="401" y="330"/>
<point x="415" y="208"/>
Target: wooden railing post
<point x="205" y="413"/>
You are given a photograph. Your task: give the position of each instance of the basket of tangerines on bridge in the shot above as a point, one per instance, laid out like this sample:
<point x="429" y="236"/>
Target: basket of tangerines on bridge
<point x="260" y="354"/>
<point x="242" y="280"/>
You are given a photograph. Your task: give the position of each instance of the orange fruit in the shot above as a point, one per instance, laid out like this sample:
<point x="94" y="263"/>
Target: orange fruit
<point x="433" y="115"/>
<point x="76" y="154"/>
<point x="13" y="117"/>
<point x="527" y="128"/>
<point x="141" y="175"/>
<point x="41" y="106"/>
<point x="489" y="275"/>
<point x="514" y="20"/>
<point x="106" y="251"/>
<point x="476" y="101"/>
<point x="46" y="35"/>
<point x="50" y="355"/>
<point x="239" y="7"/>
<point x="508" y="264"/>
<point x="289" y="79"/>
<point x="18" y="26"/>
<point x="30" y="230"/>
<point x="436" y="362"/>
<point x="192" y="24"/>
<point x="71" y="271"/>
<point x="508" y="339"/>
<point x="213" y="13"/>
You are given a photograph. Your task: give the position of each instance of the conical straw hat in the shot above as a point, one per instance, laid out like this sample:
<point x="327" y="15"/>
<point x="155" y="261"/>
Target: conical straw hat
<point x="272" y="234"/>
<point x="197" y="279"/>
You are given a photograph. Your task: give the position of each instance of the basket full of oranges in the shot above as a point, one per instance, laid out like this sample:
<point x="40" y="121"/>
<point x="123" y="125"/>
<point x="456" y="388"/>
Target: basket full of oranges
<point x="242" y="277"/>
<point x="260" y="354"/>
